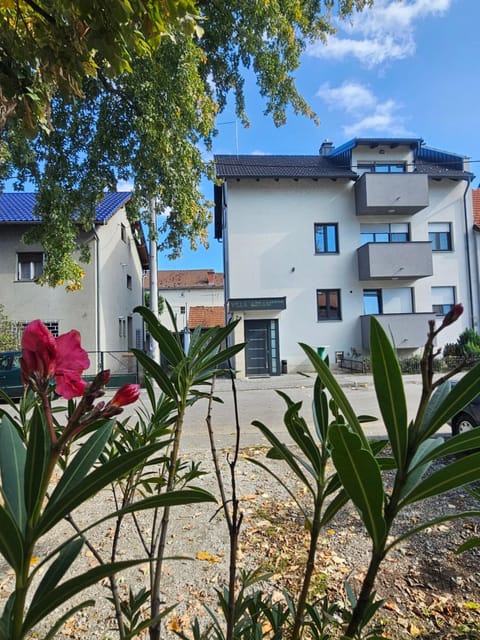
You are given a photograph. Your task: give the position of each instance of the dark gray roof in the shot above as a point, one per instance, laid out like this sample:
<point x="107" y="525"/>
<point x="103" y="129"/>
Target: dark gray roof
<point x="260" y="166"/>
<point x="336" y="162"/>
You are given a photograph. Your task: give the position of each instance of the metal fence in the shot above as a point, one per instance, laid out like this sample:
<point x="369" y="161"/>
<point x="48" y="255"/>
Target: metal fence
<point x="410" y="365"/>
<point x="123" y="367"/>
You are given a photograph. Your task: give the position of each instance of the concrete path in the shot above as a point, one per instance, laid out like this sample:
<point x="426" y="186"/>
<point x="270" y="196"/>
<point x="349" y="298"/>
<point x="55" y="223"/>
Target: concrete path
<point x="257" y="400"/>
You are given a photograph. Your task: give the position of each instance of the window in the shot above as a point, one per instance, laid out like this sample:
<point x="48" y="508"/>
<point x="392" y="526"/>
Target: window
<point x="381" y="167"/>
<point x="378" y="301"/>
<point x="51" y="326"/>
<point x="372" y="302"/>
<point x="328" y="304"/>
<point x="123" y="232"/>
<point x="326" y="238"/>
<point x="129" y="281"/>
<point x="122" y="327"/>
<point x="440" y="235"/>
<point x="397" y="232"/>
<point x="443" y="299"/>
<point x="30" y="265"/>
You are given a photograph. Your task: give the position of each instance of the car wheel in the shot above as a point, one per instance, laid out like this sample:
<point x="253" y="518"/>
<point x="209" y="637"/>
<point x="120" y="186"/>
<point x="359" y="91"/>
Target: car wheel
<point x="462" y="423"/>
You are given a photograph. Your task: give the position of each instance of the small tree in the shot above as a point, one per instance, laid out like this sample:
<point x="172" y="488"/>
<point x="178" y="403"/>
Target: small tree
<point x="10" y="332"/>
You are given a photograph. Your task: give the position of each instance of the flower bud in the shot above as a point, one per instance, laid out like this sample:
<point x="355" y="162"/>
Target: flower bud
<point x="454" y="313"/>
<point x="125" y="395"/>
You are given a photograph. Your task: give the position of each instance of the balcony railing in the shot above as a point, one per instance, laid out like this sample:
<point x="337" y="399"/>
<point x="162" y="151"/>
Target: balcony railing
<point x="406" y="330"/>
<point x="395" y="260"/>
<point x="391" y="193"/>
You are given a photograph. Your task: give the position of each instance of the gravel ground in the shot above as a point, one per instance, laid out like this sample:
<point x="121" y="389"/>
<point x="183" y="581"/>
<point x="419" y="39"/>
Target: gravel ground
<point x="430" y="591"/>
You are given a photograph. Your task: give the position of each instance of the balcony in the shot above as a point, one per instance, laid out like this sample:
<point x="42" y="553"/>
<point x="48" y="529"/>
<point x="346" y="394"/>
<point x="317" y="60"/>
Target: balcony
<point x="395" y="260"/>
<point x="406" y="330"/>
<point x="391" y="193"/>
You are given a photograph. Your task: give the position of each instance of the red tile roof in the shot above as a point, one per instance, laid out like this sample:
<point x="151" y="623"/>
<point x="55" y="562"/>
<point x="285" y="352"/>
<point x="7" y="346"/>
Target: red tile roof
<point x="206" y="317"/>
<point x="188" y="279"/>
<point x="476" y="207"/>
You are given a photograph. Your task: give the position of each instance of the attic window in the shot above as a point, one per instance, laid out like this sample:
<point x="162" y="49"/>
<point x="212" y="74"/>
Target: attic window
<point x="30" y="265"/>
<point x="123" y="232"/>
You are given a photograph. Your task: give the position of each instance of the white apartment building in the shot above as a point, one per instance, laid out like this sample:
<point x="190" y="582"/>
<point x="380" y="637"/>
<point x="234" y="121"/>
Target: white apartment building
<point x="315" y="245"/>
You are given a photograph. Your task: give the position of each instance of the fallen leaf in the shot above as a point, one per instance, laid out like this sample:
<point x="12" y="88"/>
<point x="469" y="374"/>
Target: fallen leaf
<point x="207" y="557"/>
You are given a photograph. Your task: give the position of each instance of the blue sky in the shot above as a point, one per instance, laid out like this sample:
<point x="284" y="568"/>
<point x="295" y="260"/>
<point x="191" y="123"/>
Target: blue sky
<point x="403" y="68"/>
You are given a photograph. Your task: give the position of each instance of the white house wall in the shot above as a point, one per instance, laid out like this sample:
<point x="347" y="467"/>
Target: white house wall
<point x="119" y="259"/>
<point x="271" y="253"/>
<point x="25" y="301"/>
<point x="187" y="298"/>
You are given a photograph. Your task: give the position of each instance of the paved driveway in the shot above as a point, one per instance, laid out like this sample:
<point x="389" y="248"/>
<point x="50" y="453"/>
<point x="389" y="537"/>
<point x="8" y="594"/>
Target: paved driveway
<point x="257" y="400"/>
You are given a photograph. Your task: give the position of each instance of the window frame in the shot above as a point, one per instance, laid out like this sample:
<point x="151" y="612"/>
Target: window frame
<point x="29" y="258"/>
<point x="445" y="306"/>
<point x="381" y="167"/>
<point x="390" y="234"/>
<point x="337" y="314"/>
<point x="436" y="239"/>
<point x="321" y="229"/>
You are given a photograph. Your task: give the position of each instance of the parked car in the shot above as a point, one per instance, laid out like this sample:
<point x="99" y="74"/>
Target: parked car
<point x="466" y="419"/>
<point x="10" y="377"/>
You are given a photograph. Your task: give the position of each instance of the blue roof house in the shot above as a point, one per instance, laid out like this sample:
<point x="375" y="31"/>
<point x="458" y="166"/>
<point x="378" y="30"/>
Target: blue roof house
<point x="113" y="285"/>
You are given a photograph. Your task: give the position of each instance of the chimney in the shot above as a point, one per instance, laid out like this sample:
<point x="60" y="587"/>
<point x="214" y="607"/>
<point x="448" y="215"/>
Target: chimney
<point x="211" y="277"/>
<point x="326" y="148"/>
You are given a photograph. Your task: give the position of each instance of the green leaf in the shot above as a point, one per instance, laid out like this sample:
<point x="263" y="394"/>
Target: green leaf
<point x="361" y="478"/>
<point x="298" y="430"/>
<point x="170" y="499"/>
<point x="335" y="391"/>
<point x="48" y="602"/>
<point x="11" y="541"/>
<point x="88" y="453"/>
<point x="420" y="464"/>
<point x="58" y="568"/>
<point x="461" y="443"/>
<point x="461" y="394"/>
<point x="52" y="632"/>
<point x="339" y="501"/>
<point x="37" y="462"/>
<point x="93" y="483"/>
<point x="157" y="373"/>
<point x="12" y="468"/>
<point x="473" y="543"/>
<point x="283" y="452"/>
<point x="167" y="342"/>
<point x="283" y="484"/>
<point x="320" y="410"/>
<point x="389" y="390"/>
<point x="451" y="476"/>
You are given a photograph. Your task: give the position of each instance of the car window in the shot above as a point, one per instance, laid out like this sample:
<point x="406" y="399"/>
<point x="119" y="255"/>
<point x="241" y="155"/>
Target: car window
<point x="16" y="361"/>
<point x="5" y="362"/>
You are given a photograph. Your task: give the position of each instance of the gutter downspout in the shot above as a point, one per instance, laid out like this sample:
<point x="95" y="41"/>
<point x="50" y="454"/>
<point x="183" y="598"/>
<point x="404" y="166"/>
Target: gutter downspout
<point x="97" y="297"/>
<point x="467" y="250"/>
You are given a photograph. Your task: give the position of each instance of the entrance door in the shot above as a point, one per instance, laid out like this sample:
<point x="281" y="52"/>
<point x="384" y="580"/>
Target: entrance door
<point x="261" y="352"/>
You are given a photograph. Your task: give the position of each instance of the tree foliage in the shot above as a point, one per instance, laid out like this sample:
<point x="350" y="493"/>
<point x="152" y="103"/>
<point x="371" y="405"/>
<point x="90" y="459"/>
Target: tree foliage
<point x="150" y="117"/>
<point x="52" y="45"/>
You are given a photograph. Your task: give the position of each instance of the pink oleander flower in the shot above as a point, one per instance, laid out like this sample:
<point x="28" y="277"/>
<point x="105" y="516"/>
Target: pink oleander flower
<point x="46" y="359"/>
<point x="126" y="395"/>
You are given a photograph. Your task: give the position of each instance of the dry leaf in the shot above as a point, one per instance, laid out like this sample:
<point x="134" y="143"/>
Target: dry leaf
<point x="207" y="557"/>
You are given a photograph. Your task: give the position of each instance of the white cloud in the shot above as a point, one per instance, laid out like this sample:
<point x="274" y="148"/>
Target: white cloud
<point x="383" y="120"/>
<point x="371" y="115"/>
<point x="384" y="32"/>
<point x="125" y="185"/>
<point x="350" y="96"/>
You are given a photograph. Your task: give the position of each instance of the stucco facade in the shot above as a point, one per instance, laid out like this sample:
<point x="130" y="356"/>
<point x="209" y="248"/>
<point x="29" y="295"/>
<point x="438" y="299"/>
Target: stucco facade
<point x="102" y="311"/>
<point x="187" y="289"/>
<point x="310" y="248"/>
